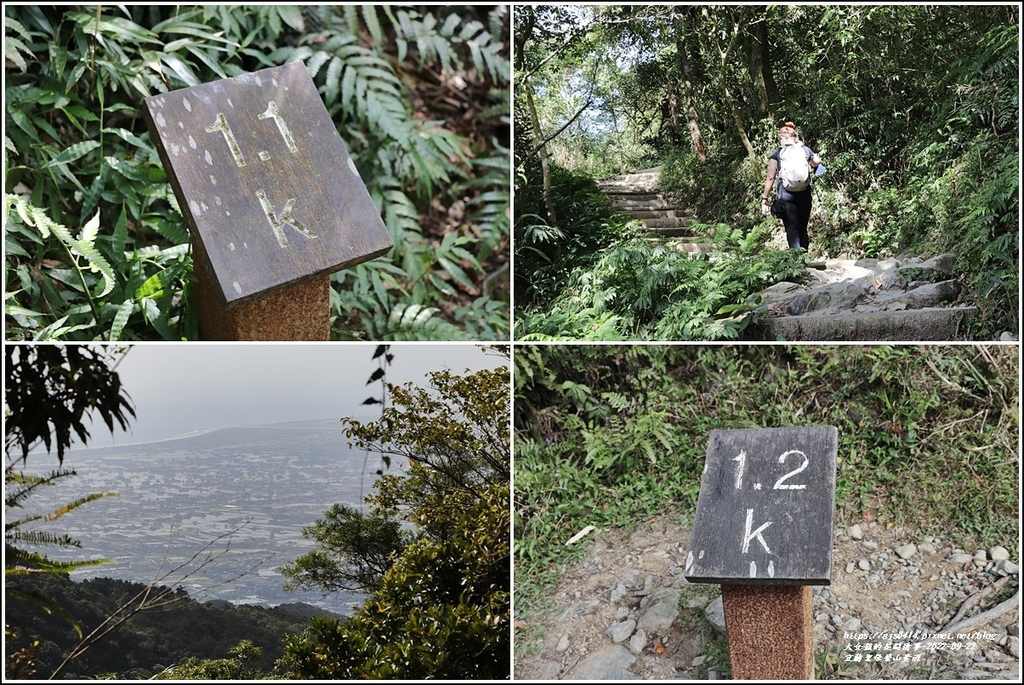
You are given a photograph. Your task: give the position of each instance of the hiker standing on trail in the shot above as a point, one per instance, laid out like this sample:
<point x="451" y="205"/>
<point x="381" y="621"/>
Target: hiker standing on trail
<point x="792" y="163"/>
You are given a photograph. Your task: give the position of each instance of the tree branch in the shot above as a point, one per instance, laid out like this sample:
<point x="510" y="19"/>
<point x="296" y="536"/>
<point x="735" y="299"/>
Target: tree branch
<point x="566" y="125"/>
<point x="162" y="597"/>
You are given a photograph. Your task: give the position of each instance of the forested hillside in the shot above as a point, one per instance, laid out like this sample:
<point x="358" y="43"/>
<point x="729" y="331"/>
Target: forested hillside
<point x="152" y="640"/>
<point x="912" y="109"/>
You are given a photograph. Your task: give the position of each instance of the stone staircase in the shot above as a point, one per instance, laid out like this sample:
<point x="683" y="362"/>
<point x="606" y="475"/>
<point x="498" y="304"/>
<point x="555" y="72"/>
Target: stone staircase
<point x="636" y="194"/>
<point x="907" y="299"/>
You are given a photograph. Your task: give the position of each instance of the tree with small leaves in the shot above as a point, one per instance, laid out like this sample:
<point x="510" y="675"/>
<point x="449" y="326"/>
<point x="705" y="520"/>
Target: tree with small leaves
<point x="441" y="609"/>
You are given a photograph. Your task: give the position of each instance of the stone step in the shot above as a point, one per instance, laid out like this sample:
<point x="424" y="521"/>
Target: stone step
<point x="667" y="223"/>
<point x="691" y="246"/>
<point x="641" y="201"/>
<point x="909" y="325"/>
<point x="676" y="239"/>
<point x="629" y="189"/>
<point x="672" y="231"/>
<point x="635" y="177"/>
<point x="667" y="213"/>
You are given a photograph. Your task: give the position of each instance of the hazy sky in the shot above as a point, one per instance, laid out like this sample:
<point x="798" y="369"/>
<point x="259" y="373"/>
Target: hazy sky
<point x="178" y="389"/>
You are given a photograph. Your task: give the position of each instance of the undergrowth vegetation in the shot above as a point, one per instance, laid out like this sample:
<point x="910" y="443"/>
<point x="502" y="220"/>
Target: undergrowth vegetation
<point x="600" y="279"/>
<point x="608" y="436"/>
<point x="95" y="245"/>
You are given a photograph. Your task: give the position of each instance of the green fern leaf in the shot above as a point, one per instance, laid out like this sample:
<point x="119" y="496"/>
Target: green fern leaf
<point x="72" y="153"/>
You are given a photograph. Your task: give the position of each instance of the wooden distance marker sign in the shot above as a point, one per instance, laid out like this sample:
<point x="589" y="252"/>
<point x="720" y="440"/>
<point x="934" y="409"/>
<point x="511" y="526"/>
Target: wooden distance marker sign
<point x="763" y="531"/>
<point x="271" y="197"/>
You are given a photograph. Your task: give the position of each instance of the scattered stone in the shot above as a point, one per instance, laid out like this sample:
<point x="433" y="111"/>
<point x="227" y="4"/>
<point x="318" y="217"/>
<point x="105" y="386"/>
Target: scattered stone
<point x="998" y="553"/>
<point x="855" y="532"/>
<point x="550" y="671"/>
<point x="618" y="592"/>
<point x="610" y="662"/>
<point x="1007" y="336"/>
<point x="942" y="263"/>
<point x="646" y="589"/>
<point x="715" y="614"/>
<point x="831" y="297"/>
<point x="637" y="642"/>
<point x="975" y="674"/>
<point x="783" y="291"/>
<point x="661" y="613"/>
<point x="868" y="299"/>
<point x="980" y="554"/>
<point x="621" y="631"/>
<point x="906" y="551"/>
<point x="1004" y="567"/>
<point x="919" y="593"/>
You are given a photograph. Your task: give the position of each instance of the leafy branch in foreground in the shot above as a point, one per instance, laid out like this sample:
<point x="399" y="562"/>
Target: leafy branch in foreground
<point x="19" y="561"/>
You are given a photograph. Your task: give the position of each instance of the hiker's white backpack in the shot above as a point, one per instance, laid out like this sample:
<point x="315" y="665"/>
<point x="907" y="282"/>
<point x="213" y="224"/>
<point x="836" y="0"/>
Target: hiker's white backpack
<point x="794" y="171"/>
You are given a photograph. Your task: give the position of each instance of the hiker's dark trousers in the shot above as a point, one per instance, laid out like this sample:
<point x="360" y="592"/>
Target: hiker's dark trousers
<point x="798" y="213"/>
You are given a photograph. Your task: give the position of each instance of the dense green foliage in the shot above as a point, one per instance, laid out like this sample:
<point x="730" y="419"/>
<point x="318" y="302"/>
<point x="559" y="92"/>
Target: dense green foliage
<point x="176" y="634"/>
<point x="51" y="392"/>
<point x="441" y="607"/>
<point x="607" y="436"/>
<point x="639" y="290"/>
<point x="353" y="552"/>
<point x="95" y="245"/>
<point x="913" y="109"/>
<point x="547" y="256"/>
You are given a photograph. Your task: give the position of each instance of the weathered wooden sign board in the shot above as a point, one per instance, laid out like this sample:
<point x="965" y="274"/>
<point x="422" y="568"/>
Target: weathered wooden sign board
<point x="766" y="507"/>
<point x="264" y="181"/>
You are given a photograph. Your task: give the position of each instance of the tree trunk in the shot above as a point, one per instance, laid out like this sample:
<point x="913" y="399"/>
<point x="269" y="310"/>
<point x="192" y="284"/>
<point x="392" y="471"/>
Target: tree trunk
<point x="542" y="153"/>
<point x="734" y="108"/>
<point x="723" y="76"/>
<point x="618" y="138"/>
<point x="767" y="72"/>
<point x="755" y="36"/>
<point x="691" y="111"/>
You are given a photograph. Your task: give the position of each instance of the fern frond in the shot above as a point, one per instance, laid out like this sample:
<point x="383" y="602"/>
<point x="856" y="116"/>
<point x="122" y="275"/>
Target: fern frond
<point x="82" y="247"/>
<point x="417" y="322"/>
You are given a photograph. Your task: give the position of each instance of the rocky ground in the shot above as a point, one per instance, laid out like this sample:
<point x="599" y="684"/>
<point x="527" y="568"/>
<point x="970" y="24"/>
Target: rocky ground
<point x="626" y="612"/>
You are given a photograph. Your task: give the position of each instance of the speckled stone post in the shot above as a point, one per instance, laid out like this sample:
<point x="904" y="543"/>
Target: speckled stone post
<point x="297" y="312"/>
<point x="770" y="631"/>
